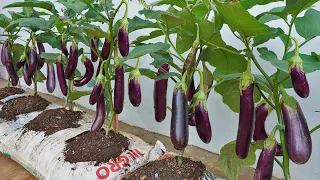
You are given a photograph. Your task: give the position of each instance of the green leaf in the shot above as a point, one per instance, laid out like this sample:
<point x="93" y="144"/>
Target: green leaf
<point x="18" y="50"/>
<point x="76" y="6"/>
<point x="139" y="51"/>
<point x="32" y="23"/>
<point x="161" y="57"/>
<point x="224" y="61"/>
<point x="310" y="63"/>
<point x="287" y="83"/>
<point x="90" y="30"/>
<point x="270" y="56"/>
<point x="153" y="14"/>
<point x="137" y="23"/>
<point x="172" y="21"/>
<point x="314" y="54"/>
<point x="230" y="163"/>
<point x="148" y="73"/>
<point x="273" y="14"/>
<point x="308" y="26"/>
<point x="4" y="21"/>
<point x="50" y="38"/>
<point x="152" y="35"/>
<point x="40" y="76"/>
<point x="184" y="42"/>
<point x="179" y="3"/>
<point x="207" y="77"/>
<point x="273" y="33"/>
<point x="50" y="57"/>
<point x="294" y="7"/>
<point x="74" y="95"/>
<point x="168" y="75"/>
<point x="247" y="25"/>
<point x="247" y="4"/>
<point x="200" y="10"/>
<point x="16" y="15"/>
<point x="91" y="83"/>
<point x="33" y="3"/>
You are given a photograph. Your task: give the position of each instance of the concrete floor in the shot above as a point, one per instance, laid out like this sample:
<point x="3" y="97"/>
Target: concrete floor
<point x="10" y="170"/>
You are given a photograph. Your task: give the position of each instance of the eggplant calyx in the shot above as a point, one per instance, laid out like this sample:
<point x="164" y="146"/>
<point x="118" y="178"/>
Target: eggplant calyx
<point x="246" y="80"/>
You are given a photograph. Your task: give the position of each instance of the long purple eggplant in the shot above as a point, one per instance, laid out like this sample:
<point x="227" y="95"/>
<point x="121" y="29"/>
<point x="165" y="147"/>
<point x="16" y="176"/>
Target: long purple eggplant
<point x="299" y="81"/>
<point x="19" y="64"/>
<point x="97" y="90"/>
<point x="73" y="61"/>
<point x="100" y="114"/>
<point x="33" y="61"/>
<point x="5" y="53"/>
<point x="119" y="90"/>
<point x="41" y="49"/>
<point x="246" y="115"/>
<point x="87" y="76"/>
<point x="51" y="78"/>
<point x="298" y="139"/>
<point x="63" y="46"/>
<point x="12" y="73"/>
<point x="123" y="38"/>
<point x="61" y="77"/>
<point x="160" y="94"/>
<point x="135" y="92"/>
<point x="27" y="79"/>
<point x="94" y="48"/>
<point x="105" y="49"/>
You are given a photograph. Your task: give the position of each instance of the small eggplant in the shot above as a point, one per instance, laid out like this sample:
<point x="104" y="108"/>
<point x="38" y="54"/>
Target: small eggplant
<point x="61" y="77"/>
<point x="192" y="118"/>
<point x="105" y="49"/>
<point x="134" y="86"/>
<point x="12" y="73"/>
<point x="246" y="115"/>
<point x="298" y="140"/>
<point x="160" y="94"/>
<point x="123" y="37"/>
<point x="88" y="74"/>
<point x="299" y="81"/>
<point x="100" y="114"/>
<point x="97" y="90"/>
<point x="33" y="61"/>
<point x="41" y="49"/>
<point x="94" y="49"/>
<point x="73" y="61"/>
<point x="64" y="49"/>
<point x="119" y="90"/>
<point x="51" y="79"/>
<point x="27" y="79"/>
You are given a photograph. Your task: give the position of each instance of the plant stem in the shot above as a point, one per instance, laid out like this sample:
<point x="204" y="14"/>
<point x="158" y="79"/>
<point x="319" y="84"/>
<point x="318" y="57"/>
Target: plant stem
<point x="284" y="79"/>
<point x="225" y="49"/>
<point x="314" y="129"/>
<point x="212" y="87"/>
<point x="8" y="81"/>
<point x="278" y="162"/>
<point x="306" y="41"/>
<point x="289" y="34"/>
<point x="264" y="97"/>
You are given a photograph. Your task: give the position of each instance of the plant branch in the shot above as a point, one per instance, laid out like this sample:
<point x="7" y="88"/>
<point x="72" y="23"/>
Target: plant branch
<point x="225" y="49"/>
<point x="314" y="129"/>
<point x="289" y="34"/>
<point x="265" y="98"/>
<point x="306" y="41"/>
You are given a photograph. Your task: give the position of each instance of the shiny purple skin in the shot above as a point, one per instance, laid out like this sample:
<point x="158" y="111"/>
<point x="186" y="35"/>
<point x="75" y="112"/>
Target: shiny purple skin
<point x="179" y="130"/>
<point x="246" y="122"/>
<point x="100" y="114"/>
<point x="192" y="90"/>
<point x="261" y="114"/>
<point x="64" y="49"/>
<point x="160" y="95"/>
<point x="96" y="93"/>
<point x="203" y="125"/>
<point x="12" y="73"/>
<point x="27" y="79"/>
<point x="33" y="62"/>
<point x="192" y="118"/>
<point x="265" y="164"/>
<point x="299" y="82"/>
<point x="51" y="78"/>
<point x="72" y="63"/>
<point x="98" y="69"/>
<point x="41" y="49"/>
<point x="298" y="140"/>
<point x="105" y="49"/>
<point x="94" y="45"/>
<point x="134" y="92"/>
<point x="87" y="76"/>
<point x="118" y="90"/>
<point x="123" y="41"/>
<point x="5" y="53"/>
<point x="61" y="78"/>
<point x="19" y="64"/>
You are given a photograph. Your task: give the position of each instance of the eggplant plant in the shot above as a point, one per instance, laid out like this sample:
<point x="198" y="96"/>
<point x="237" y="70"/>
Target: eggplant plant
<point x="198" y="46"/>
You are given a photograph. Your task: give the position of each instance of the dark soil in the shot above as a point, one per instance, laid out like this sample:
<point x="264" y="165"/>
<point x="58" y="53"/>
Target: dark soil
<point x="8" y="91"/>
<point x="97" y="147"/>
<point x="54" y="120"/>
<point x="22" y="105"/>
<point x="168" y="169"/>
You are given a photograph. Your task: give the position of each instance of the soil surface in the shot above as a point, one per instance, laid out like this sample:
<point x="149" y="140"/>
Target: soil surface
<point x="54" y="120"/>
<point x="8" y="91"/>
<point x="168" y="168"/>
<point x="22" y="105"/>
<point x="97" y="147"/>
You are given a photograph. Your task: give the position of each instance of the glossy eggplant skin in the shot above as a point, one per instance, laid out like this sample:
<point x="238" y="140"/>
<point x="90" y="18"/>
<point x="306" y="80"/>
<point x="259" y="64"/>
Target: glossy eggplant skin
<point x="265" y="164"/>
<point x="298" y="139"/>
<point x="96" y="93"/>
<point x="27" y="79"/>
<point x="61" y="78"/>
<point x="94" y="48"/>
<point x="51" y="78"/>
<point x="179" y="130"/>
<point x="203" y="123"/>
<point x="191" y="90"/>
<point x="246" y="122"/>
<point x="100" y="114"/>
<point x="5" y="59"/>
<point x="192" y="118"/>
<point x="33" y="62"/>
<point x="19" y="64"/>
<point x="41" y="49"/>
<point x="160" y="94"/>
<point x="105" y="49"/>
<point x="123" y="41"/>
<point x="134" y="92"/>
<point x="12" y="73"/>
<point x="5" y="53"/>
<point x="299" y="82"/>
<point x="64" y="49"/>
<point x="118" y="90"/>
<point x="87" y="76"/>
<point x="73" y="62"/>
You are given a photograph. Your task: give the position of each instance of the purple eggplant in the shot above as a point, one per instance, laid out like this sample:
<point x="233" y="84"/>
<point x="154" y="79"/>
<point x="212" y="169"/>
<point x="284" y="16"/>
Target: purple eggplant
<point x="246" y="115"/>
<point x="41" y="49"/>
<point x="33" y="62"/>
<point x="73" y="61"/>
<point x="299" y="81"/>
<point x="192" y="118"/>
<point x="26" y="78"/>
<point x="61" y="77"/>
<point x="12" y="73"/>
<point x="100" y="114"/>
<point x="5" y="55"/>
<point x="19" y="64"/>
<point x="97" y="90"/>
<point x="63" y="46"/>
<point x="191" y="90"/>
<point x="135" y="92"/>
<point x="51" y="78"/>
<point x="105" y="49"/>
<point x="298" y="140"/>
<point x="119" y="90"/>
<point x="88" y="74"/>
<point x="123" y="37"/>
<point x="160" y="94"/>
<point x="94" y="49"/>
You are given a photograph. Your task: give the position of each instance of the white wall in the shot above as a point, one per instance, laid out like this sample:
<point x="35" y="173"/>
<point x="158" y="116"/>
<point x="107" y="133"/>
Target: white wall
<point x="223" y="121"/>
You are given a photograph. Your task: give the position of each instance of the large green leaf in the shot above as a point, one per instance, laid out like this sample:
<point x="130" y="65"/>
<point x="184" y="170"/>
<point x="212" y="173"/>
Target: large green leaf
<point x="230" y="163"/>
<point x="161" y="57"/>
<point x="153" y="14"/>
<point x="76" y="6"/>
<point x="4" y="21"/>
<point x="308" y="26"/>
<point x="50" y="38"/>
<point x="179" y="3"/>
<point x="18" y="50"/>
<point x="40" y="76"/>
<point x="172" y="21"/>
<point x="33" y="3"/>
<point x="273" y="33"/>
<point x="16" y="15"/>
<point x="137" y="23"/>
<point x="310" y="62"/>
<point x="52" y="57"/>
<point x="273" y="14"/>
<point x="31" y="23"/>
<point x="184" y="42"/>
<point x="152" y="35"/>
<point x="247" y="4"/>
<point x="200" y="10"/>
<point x="270" y="56"/>
<point x="90" y="30"/>
<point x="242" y="21"/>
<point x="74" y="95"/>
<point x="294" y="7"/>
<point x="169" y="75"/>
